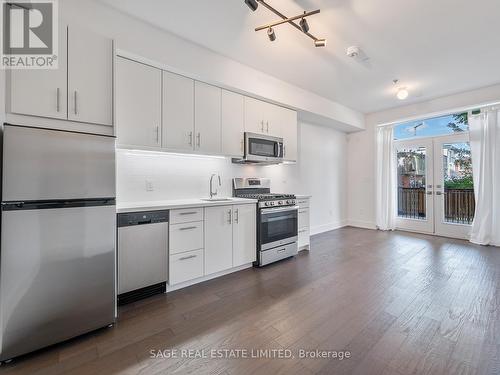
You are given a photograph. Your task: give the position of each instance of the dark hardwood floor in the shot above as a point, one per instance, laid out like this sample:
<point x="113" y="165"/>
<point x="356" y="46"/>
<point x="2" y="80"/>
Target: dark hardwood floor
<point x="400" y="303"/>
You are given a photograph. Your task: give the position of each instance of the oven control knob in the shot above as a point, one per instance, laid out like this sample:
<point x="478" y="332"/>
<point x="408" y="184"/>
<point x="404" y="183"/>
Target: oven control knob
<point x="280" y="203"/>
<point x="267" y="203"/>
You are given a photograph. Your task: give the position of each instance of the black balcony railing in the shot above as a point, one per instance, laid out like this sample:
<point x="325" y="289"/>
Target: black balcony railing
<point x="459" y="204"/>
<point x="411" y="203"/>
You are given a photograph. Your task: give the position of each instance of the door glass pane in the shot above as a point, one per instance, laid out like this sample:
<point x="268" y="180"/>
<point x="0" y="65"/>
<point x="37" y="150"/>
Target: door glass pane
<point x="411" y="183"/>
<point x="459" y="202"/>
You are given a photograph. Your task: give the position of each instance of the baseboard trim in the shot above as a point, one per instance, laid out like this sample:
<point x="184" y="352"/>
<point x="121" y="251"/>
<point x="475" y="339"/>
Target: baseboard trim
<point x="328" y="227"/>
<point x="171" y="288"/>
<point x="361" y="224"/>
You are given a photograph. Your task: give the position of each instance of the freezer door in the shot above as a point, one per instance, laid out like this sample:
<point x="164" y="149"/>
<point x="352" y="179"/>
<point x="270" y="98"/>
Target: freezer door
<point x="57" y="275"/>
<point x="41" y="164"/>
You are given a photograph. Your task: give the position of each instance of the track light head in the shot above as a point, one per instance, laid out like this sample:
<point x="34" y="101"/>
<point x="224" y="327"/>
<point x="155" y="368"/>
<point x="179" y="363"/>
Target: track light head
<point x="320" y="43"/>
<point x="252" y="4"/>
<point x="271" y="34"/>
<point x="304" y="25"/>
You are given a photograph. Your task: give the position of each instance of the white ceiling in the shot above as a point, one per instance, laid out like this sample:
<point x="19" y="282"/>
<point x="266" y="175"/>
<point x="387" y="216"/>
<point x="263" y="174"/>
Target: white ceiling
<point x="434" y="47"/>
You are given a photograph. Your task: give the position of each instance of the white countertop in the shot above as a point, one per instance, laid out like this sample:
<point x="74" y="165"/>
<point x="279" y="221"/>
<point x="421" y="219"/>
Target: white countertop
<point x="177" y="203"/>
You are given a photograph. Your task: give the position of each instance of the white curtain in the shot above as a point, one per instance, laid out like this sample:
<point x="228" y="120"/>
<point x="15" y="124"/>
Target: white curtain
<point x="485" y="149"/>
<point x="386" y="179"/>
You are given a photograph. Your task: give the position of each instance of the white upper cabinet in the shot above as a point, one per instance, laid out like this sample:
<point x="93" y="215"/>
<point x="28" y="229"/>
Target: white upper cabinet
<point x="178" y="112"/>
<point x="41" y="92"/>
<point x="90" y="77"/>
<point x="261" y="118"/>
<point x="207" y="123"/>
<point x="286" y="120"/>
<point x="218" y="239"/>
<point x="233" y="123"/>
<point x="138" y="104"/>
<point x="244" y="234"/>
<point x="254" y="116"/>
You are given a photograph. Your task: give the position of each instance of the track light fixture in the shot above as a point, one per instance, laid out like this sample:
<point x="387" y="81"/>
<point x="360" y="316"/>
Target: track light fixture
<point x="303" y="25"/>
<point x="320" y="43"/>
<point x="271" y="34"/>
<point x="252" y="4"/>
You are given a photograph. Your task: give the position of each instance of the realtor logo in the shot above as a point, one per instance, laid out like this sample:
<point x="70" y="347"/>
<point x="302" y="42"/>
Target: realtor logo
<point x="30" y="34"/>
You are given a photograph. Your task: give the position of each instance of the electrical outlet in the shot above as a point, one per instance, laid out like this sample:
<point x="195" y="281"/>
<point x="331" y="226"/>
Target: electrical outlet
<point x="149" y="185"/>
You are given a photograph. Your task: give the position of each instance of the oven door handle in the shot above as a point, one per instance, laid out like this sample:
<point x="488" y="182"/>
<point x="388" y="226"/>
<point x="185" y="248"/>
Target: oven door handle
<point x="282" y="209"/>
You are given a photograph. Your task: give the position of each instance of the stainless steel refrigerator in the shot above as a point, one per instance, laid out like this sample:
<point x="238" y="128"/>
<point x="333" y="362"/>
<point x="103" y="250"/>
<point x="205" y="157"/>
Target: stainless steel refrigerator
<point x="58" y="234"/>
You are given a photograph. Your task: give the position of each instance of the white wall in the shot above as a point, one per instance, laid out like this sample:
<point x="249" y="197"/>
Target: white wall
<point x="361" y="146"/>
<point x="184" y="57"/>
<point x="320" y="172"/>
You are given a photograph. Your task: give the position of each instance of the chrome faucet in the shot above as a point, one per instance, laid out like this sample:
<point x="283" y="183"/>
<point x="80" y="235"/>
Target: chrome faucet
<point x="212" y="193"/>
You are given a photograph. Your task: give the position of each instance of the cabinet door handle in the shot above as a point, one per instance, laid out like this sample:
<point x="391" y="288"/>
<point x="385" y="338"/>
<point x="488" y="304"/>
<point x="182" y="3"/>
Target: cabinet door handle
<point x="237" y="216"/>
<point x="188" y="257"/>
<point x="58" y="92"/>
<point x="267" y="126"/>
<point x="188" y="213"/>
<point x="198" y="137"/>
<point x="157" y="130"/>
<point x="284" y="150"/>
<point x="188" y="228"/>
<point x="76" y="102"/>
<point x="230" y="217"/>
<point x="302" y="212"/>
<point x="262" y="126"/>
<point x="281" y="250"/>
<point x="190" y="138"/>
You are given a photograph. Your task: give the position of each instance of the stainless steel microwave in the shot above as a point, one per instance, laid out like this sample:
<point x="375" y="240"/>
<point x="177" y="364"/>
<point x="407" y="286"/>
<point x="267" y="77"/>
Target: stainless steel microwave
<point x="262" y="149"/>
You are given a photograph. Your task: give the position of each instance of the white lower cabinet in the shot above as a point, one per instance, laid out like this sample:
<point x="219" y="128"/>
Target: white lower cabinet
<point x="218" y="239"/>
<point x="186" y="266"/>
<point x="244" y="234"/>
<point x="303" y="223"/>
<point x="222" y="237"/>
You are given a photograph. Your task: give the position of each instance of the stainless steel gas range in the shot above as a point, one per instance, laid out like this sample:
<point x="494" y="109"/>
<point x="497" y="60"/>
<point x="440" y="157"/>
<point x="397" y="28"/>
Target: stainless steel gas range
<point x="277" y="215"/>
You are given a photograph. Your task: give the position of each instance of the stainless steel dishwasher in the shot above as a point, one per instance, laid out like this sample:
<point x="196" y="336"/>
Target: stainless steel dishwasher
<point x="142" y="254"/>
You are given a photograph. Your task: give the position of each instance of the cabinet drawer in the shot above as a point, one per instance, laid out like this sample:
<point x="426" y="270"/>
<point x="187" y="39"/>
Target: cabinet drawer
<point x="185" y="266"/>
<point x="186" y="215"/>
<point x="303" y="218"/>
<point x="186" y="237"/>
<point x="304" y="202"/>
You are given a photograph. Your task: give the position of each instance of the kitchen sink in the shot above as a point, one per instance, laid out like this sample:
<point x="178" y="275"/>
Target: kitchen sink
<point x="216" y="199"/>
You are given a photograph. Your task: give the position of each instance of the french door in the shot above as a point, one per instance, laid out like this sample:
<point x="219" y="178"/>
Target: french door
<point x="435" y="193"/>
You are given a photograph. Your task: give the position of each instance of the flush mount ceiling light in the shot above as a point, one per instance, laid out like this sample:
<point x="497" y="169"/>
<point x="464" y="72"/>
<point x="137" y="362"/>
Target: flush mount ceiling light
<point x="402" y="92"/>
<point x="303" y="26"/>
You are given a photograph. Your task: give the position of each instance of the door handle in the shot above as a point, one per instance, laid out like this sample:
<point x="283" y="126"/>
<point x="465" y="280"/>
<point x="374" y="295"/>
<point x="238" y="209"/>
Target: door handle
<point x="188" y="213"/>
<point x="439" y="193"/>
<point x="267" y="126"/>
<point x="262" y="126"/>
<point x="188" y="228"/>
<point x="429" y="193"/>
<point x="76" y="102"/>
<point x="281" y="250"/>
<point x="198" y="139"/>
<point x="237" y="216"/>
<point x="58" y="92"/>
<point x="157" y="130"/>
<point x="188" y="257"/>
<point x="190" y="138"/>
<point x="230" y="217"/>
